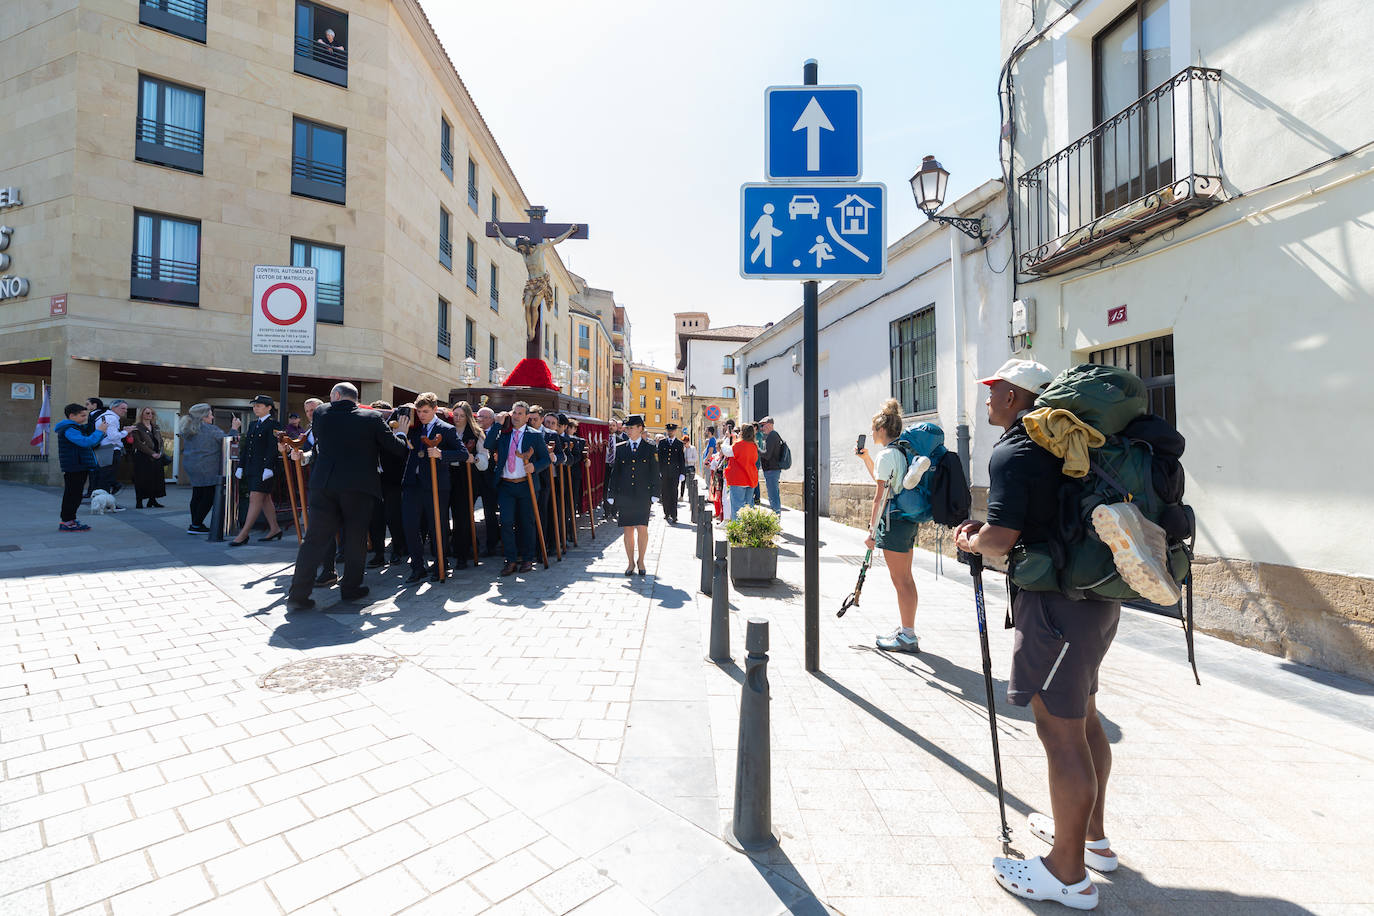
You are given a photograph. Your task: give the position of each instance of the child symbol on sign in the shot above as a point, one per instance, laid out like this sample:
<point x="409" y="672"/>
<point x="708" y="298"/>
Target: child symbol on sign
<point x="822" y="251"/>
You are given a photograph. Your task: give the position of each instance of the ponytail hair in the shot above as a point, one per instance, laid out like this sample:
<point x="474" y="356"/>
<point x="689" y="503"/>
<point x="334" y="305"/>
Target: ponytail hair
<point x="888" y="419"/>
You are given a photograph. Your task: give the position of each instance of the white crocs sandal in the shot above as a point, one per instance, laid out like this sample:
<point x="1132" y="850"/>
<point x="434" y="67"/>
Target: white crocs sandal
<point x="1029" y="878"/>
<point x="1042" y="825"/>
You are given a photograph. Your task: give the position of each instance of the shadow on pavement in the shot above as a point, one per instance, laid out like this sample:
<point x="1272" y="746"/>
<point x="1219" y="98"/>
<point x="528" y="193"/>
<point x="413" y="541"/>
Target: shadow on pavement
<point x="1135" y="887"/>
<point x="775" y="867"/>
<point x="933" y="750"/>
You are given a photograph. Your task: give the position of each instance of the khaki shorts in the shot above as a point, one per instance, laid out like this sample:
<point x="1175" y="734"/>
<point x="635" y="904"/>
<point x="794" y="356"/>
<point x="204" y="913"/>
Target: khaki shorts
<point x="1060" y="644"/>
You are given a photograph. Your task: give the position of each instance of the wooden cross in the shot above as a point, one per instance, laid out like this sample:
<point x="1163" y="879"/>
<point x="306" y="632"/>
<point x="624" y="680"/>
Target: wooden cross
<point x="531" y="240"/>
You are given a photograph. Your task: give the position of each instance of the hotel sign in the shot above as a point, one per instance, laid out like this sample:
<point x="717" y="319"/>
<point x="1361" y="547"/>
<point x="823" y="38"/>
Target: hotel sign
<point x="11" y="287"/>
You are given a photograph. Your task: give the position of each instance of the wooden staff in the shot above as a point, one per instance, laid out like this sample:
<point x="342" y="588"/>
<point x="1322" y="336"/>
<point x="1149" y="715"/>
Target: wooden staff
<point x="284" y="448"/>
<point x="570" y="500"/>
<point x="534" y="503"/>
<point x="434" y="490"/>
<point x="591" y="505"/>
<point x="300" y="484"/>
<point x="557" y="512"/>
<point x="472" y="513"/>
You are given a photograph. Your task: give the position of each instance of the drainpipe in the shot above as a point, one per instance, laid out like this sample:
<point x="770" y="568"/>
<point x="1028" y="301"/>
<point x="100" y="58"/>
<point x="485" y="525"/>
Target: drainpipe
<point x="956" y="270"/>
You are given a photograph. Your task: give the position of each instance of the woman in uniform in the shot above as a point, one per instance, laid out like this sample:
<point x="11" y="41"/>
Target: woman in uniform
<point x="258" y="465"/>
<point x="634" y="478"/>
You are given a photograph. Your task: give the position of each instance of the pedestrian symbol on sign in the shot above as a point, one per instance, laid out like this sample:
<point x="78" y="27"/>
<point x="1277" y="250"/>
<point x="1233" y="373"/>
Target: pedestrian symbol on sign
<point x="765" y="233"/>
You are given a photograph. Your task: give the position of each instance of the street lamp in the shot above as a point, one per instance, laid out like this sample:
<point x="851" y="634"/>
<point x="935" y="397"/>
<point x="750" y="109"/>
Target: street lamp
<point x="928" y="187"/>
<point x="469" y="372"/>
<point x="498" y="375"/>
<point x="563" y="374"/>
<point x="581" y="381"/>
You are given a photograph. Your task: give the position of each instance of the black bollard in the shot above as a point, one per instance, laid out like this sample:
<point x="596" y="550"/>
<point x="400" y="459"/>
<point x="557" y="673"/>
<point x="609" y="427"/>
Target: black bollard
<point x="703" y="532"/>
<point x="217" y="514"/>
<point x="720" y="605"/>
<point x="707" y="563"/>
<point x="753" y="826"/>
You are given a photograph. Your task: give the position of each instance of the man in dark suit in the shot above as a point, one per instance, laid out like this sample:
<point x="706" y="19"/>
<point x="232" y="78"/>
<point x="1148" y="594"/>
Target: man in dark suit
<point x="417" y="493"/>
<point x="517" y="452"/>
<point x="488" y="482"/>
<point x="578" y="448"/>
<point x="387" y="514"/>
<point x="344" y="486"/>
<point x="671" y="464"/>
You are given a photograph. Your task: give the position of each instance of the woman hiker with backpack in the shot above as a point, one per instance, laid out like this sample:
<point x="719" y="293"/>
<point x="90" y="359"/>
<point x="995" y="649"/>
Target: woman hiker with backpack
<point x="887" y="529"/>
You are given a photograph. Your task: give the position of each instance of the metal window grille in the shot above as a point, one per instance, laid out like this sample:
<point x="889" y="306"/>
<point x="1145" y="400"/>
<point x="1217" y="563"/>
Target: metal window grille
<point x="445" y="244"/>
<point x="1153" y="361"/>
<point x="472" y="265"/>
<point x="913" y="360"/>
<point x="446" y="147"/>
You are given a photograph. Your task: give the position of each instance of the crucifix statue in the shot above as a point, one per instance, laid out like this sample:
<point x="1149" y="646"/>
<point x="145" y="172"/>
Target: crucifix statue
<point x="531" y="240"/>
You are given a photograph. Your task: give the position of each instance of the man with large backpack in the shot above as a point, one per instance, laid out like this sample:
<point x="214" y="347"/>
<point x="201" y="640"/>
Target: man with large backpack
<point x="1060" y="644"/>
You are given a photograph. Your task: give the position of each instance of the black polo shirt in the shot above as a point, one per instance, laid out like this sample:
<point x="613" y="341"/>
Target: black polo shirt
<point x="1023" y="489"/>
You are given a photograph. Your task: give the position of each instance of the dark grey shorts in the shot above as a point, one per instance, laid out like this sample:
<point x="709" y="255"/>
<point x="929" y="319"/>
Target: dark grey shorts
<point x="1060" y="644"/>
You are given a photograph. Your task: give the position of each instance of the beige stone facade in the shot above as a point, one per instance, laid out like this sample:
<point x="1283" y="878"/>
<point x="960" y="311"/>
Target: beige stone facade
<point x="71" y="84"/>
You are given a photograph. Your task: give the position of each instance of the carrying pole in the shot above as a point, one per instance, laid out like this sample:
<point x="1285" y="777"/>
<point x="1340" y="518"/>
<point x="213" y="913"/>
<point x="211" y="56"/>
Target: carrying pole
<point x="472" y="513"/>
<point x="534" y="504"/>
<point x="591" y="508"/>
<point x="570" y="500"/>
<point x="556" y="510"/>
<point x="284" y="448"/>
<point x="434" y="491"/>
<point x="975" y="566"/>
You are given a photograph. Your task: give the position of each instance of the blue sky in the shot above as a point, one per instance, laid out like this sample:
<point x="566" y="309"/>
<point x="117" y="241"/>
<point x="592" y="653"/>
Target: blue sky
<point x="642" y="119"/>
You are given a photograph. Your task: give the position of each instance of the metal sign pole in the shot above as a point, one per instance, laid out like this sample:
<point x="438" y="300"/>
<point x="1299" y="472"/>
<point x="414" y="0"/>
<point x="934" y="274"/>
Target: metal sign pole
<point x="281" y="402"/>
<point x="811" y="455"/>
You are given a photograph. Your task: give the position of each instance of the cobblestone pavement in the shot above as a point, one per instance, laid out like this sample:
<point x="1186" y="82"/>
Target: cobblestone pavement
<point x="171" y="740"/>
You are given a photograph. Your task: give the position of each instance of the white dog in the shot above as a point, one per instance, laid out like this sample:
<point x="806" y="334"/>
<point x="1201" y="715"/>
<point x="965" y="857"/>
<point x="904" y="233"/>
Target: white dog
<point x="101" y="502"/>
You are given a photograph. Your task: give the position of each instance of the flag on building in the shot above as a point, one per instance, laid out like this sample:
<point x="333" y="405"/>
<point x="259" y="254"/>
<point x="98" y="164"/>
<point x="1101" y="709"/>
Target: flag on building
<point x="40" y="432"/>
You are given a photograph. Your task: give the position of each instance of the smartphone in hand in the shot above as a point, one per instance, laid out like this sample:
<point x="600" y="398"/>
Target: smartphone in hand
<point x="859" y="447"/>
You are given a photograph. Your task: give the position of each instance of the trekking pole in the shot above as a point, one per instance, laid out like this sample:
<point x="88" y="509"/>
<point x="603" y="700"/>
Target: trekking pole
<point x="853" y="599"/>
<point x="282" y="446"/>
<point x="472" y="513"/>
<point x="434" y="490"/>
<point x="975" y="566"/>
<point x="534" y="504"/>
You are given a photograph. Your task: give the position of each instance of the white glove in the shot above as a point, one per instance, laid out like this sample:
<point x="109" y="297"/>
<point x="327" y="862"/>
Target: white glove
<point x="238" y="473"/>
<point x="610" y="501"/>
<point x="680" y="478"/>
<point x="267" y="474"/>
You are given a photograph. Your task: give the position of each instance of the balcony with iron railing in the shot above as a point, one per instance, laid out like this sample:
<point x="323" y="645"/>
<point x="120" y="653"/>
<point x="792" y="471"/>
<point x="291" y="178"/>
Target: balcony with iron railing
<point x="446" y="160"/>
<point x="164" y="280"/>
<point x="472" y="197"/>
<point x="1140" y="172"/>
<point x="495" y="298"/>
<point x="313" y="178"/>
<point x="472" y="276"/>
<point x="446" y="251"/>
<point x="165" y="144"/>
<point x="444" y="339"/>
<point x="471" y="352"/>
<point x="329" y="302"/>
<point x="180" y="17"/>
<point x="317" y="59"/>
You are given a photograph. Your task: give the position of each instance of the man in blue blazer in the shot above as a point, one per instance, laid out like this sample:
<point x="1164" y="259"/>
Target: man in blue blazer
<point x="517" y="452"/>
<point x="417" y="496"/>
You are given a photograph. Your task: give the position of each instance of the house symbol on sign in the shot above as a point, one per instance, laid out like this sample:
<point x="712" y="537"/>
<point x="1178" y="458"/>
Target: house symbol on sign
<point x="854" y="215"/>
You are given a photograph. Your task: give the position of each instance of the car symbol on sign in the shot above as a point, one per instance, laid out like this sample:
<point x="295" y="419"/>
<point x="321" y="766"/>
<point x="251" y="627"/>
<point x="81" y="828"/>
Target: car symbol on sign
<point x="804" y="204"/>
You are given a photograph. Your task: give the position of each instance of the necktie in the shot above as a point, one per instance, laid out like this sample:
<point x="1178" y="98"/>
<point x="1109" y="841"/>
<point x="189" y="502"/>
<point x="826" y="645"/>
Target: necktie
<point x="514" y="452"/>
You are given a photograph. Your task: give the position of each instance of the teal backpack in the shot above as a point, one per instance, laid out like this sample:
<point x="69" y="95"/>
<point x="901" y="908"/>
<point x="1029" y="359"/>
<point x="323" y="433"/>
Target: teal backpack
<point x="922" y="439"/>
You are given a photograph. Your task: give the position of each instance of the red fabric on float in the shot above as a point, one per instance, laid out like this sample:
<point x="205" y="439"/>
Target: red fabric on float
<point x="531" y="373"/>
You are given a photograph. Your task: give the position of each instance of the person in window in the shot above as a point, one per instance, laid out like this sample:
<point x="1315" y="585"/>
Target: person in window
<point x="258" y="466"/>
<point x="149" y="479"/>
<point x="633" y="482"/>
<point x="202" y="460"/>
<point x="332" y="51"/>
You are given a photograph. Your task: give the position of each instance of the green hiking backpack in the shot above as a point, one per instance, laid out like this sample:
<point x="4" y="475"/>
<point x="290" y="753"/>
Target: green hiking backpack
<point x="1104" y="397"/>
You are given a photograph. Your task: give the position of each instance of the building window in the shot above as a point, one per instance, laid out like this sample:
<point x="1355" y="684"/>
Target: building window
<point x="547" y="343"/>
<point x="1153" y="361"/>
<point x="446" y="147"/>
<point x="472" y="264"/>
<point x="322" y="43"/>
<point x="317" y="161"/>
<point x="728" y="365"/>
<point x="675" y="416"/>
<point x="495" y="207"/>
<point x="584" y="364"/>
<point x="1131" y="57"/>
<point x="445" y="244"/>
<point x="329" y="277"/>
<point x="170" y="128"/>
<point x="643" y="382"/>
<point x="643" y="402"/>
<point x="658" y="384"/>
<point x="180" y="17"/>
<point x="469" y="338"/>
<point x="555" y="348"/>
<point x="584" y="333"/>
<point x="472" y="185"/>
<point x="760" y="400"/>
<point x="912" y="341"/>
<point x="443" y="350"/>
<point x="491" y="354"/>
<point x="658" y="403"/>
<point x="166" y="259"/>
<point x="727" y="392"/>
<point x="495" y="291"/>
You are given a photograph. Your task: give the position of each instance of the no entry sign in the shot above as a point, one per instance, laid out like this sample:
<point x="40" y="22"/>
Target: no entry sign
<point x="284" y="310"/>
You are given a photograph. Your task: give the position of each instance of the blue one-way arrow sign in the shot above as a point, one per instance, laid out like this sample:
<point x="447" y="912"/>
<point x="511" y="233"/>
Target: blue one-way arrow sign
<point x="813" y="133"/>
<point x="812" y="232"/>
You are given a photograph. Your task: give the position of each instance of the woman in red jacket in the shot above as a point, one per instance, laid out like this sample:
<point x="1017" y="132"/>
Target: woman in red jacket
<point x="742" y="473"/>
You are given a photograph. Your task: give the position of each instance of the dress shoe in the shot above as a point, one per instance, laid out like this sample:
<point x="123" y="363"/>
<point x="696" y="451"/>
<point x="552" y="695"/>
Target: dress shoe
<point x="376" y="562"/>
<point x="510" y="569"/>
<point x="274" y="537"/>
<point x="154" y="504"/>
<point x="354" y="594"/>
<point x="299" y="604"/>
<point x="527" y="566"/>
<point x="417" y="575"/>
<point x="327" y="578"/>
<point x="238" y="543"/>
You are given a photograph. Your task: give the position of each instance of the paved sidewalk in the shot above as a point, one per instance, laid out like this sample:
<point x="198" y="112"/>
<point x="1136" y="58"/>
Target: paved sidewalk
<point x="556" y="743"/>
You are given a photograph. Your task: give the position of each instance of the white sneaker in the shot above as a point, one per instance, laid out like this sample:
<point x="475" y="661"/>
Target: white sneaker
<point x="915" y="472"/>
<point x="898" y="641"/>
<point x="1139" y="549"/>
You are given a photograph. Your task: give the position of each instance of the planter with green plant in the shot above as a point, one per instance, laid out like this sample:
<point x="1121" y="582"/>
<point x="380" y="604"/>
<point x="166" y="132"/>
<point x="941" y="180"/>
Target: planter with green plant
<point x="753" y="545"/>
